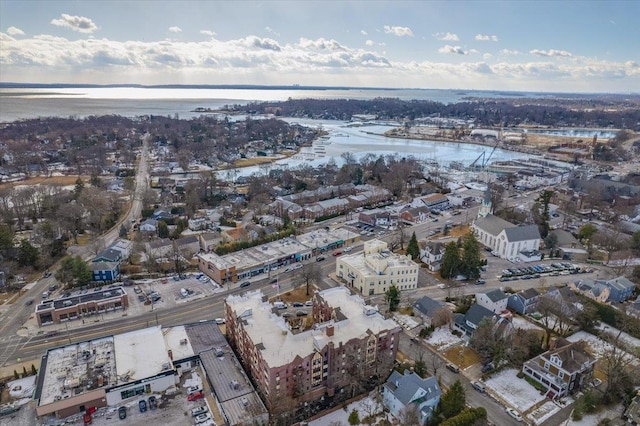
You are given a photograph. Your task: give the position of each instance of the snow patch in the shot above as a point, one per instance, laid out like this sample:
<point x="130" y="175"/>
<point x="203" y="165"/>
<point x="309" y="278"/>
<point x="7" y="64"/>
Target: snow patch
<point x="22" y="388"/>
<point x="442" y="339"/>
<point x="514" y="391"/>
<point x="523" y="324"/>
<point x="364" y="407"/>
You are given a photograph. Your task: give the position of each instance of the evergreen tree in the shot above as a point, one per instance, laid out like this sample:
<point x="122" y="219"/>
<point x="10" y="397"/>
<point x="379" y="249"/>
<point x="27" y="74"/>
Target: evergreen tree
<point x="33" y="370"/>
<point x="6" y="237"/>
<point x="123" y="231"/>
<point x="471" y="259"/>
<point x="27" y="254"/>
<point x="78" y="188"/>
<point x="453" y="401"/>
<point x="450" y="260"/>
<point x="413" y="249"/>
<point x="393" y="297"/>
<point x="24" y="371"/>
<point x="16" y="375"/>
<point x="545" y="199"/>
<point x="353" y="419"/>
<point x="163" y="229"/>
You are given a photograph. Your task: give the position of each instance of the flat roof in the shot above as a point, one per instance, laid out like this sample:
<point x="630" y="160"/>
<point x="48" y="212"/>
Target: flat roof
<point x="85" y="296"/>
<point x="74" y="369"/>
<point x="270" y="252"/>
<point x="141" y="354"/>
<point x="281" y="346"/>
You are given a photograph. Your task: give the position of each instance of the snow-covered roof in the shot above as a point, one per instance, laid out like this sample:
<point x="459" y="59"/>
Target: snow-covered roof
<point x="141" y="353"/>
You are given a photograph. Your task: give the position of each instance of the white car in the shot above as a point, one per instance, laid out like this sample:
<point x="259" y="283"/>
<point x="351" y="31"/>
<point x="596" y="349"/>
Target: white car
<point x="347" y="249"/>
<point x="203" y="418"/>
<point x="219" y="321"/>
<point x="298" y="266"/>
<point x="198" y="411"/>
<point x="513" y="413"/>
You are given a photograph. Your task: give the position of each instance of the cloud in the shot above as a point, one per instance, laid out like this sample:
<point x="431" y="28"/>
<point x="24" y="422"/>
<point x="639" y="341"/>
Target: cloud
<point x="271" y="31"/>
<point x="551" y="53"/>
<point x="262" y="43"/>
<point x="207" y="33"/>
<point x="13" y="31"/>
<point x="508" y="52"/>
<point x="452" y="49"/>
<point x="481" y="37"/>
<point x="75" y="23"/>
<point x="447" y="36"/>
<point x="363" y="32"/>
<point x="487" y="56"/>
<point x="369" y="42"/>
<point x="175" y="29"/>
<point x="398" y="31"/>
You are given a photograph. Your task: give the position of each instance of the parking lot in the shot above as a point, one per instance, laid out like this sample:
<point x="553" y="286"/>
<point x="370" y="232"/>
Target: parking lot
<point x="168" y="292"/>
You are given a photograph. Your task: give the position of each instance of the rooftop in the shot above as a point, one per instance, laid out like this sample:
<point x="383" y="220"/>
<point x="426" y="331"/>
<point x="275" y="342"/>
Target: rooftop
<point x="281" y="346"/>
<point x="103" y="294"/>
<point x="376" y="260"/>
<point x="141" y="354"/>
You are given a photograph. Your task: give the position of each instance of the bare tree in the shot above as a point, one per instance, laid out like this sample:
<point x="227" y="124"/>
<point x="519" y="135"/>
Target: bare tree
<point x="617" y="363"/>
<point x="307" y="275"/>
<point x="409" y="415"/>
<point x="442" y="316"/>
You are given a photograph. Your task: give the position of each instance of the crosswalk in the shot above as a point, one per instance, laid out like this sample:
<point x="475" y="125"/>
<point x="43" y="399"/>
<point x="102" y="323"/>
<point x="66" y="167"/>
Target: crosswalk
<point x="8" y="348"/>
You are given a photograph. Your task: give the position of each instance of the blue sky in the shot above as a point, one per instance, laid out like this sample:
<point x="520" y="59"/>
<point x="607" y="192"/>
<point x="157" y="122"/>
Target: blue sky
<point x="568" y="46"/>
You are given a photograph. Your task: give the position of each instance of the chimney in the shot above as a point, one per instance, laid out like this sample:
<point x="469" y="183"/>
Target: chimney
<point x="170" y="353"/>
<point x="329" y="330"/>
<point x="552" y="343"/>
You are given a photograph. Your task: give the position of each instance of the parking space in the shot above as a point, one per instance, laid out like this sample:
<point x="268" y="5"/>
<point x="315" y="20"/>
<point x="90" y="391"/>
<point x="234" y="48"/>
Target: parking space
<point x="167" y="292"/>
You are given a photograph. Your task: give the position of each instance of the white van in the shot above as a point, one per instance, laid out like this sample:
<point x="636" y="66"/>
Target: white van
<point x="184" y="292"/>
<point x="279" y="305"/>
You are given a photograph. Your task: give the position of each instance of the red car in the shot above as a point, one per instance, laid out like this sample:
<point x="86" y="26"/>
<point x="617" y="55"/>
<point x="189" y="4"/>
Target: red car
<point x="337" y="253"/>
<point x="195" y="396"/>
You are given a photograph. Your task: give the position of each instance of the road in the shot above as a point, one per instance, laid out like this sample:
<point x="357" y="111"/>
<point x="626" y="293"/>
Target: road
<point x="495" y="412"/>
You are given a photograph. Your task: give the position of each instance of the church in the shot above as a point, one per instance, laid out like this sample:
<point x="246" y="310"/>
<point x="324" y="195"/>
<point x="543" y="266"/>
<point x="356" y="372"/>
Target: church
<point x="506" y="240"/>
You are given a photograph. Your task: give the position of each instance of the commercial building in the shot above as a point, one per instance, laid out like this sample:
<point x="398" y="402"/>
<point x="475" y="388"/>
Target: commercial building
<point x="345" y="342"/>
<point x="81" y="305"/>
<point x="111" y="370"/>
<point x="376" y="269"/>
<point x="261" y="259"/>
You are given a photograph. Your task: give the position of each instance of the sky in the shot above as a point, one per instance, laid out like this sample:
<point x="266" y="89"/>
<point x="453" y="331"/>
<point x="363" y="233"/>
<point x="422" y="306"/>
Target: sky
<point x="553" y="46"/>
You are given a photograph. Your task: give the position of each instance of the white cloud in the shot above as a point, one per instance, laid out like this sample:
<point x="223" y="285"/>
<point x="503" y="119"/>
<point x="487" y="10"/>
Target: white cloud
<point x="487" y="56"/>
<point x="13" y="31"/>
<point x="551" y="53"/>
<point x="207" y="33"/>
<point x="398" y="31"/>
<point x="481" y="37"/>
<point x="508" y="52"/>
<point x="447" y="36"/>
<point x="369" y="42"/>
<point x="75" y="23"/>
<point x="175" y="29"/>
<point x="473" y="51"/>
<point x="363" y="32"/>
<point x="271" y="31"/>
<point x="452" y="49"/>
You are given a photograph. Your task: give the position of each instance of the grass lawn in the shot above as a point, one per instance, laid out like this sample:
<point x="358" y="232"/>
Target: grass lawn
<point x="296" y="295"/>
<point x="462" y="356"/>
<point x="54" y="180"/>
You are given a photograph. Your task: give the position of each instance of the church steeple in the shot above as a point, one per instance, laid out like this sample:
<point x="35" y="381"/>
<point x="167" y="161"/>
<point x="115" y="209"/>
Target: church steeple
<point x="487" y="207"/>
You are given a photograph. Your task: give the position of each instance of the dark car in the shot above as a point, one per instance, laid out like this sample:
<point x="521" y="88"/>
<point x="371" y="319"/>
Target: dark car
<point x="122" y="413"/>
<point x="481" y="282"/>
<point x="301" y="313"/>
<point x="29" y="302"/>
<point x="142" y="405"/>
<point x="487" y="367"/>
<point x="320" y="258"/>
<point x="245" y="284"/>
<point x="153" y="403"/>
<point x="273" y="280"/>
<point x="297" y="304"/>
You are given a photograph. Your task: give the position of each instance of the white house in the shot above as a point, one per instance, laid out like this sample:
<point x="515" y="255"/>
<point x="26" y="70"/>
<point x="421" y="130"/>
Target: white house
<point x="494" y="300"/>
<point x="149" y="225"/>
<point x="432" y="255"/>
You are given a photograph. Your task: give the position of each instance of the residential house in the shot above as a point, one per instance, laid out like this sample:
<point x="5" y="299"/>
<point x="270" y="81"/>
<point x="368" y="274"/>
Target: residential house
<point x="467" y="323"/>
<point x="621" y="289"/>
<point x="104" y="271"/>
<point x="280" y="207"/>
<point x="524" y="302"/>
<point x="109" y="255"/>
<point x="163" y="215"/>
<point x="595" y="290"/>
<point x="149" y="225"/>
<point x="312" y="211"/>
<point x="634" y="308"/>
<point x="123" y="246"/>
<point x="378" y="217"/>
<point x="209" y="240"/>
<point x="199" y="223"/>
<point x="432" y="255"/>
<point x="494" y="300"/>
<point x="232" y="235"/>
<point x="413" y="215"/>
<point x="333" y="206"/>
<point x="568" y="301"/>
<point x="426" y="308"/>
<point x="562" y="370"/>
<point x="569" y="246"/>
<point x="405" y="391"/>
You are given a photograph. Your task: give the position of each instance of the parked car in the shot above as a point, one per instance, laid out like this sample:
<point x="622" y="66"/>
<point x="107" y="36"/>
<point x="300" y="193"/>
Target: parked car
<point x="480" y="282"/>
<point x="308" y="303"/>
<point x="137" y="290"/>
<point x="153" y="403"/>
<point x="245" y="284"/>
<point x="297" y="304"/>
<point x="46" y="274"/>
<point x="199" y="410"/>
<point x="479" y="386"/>
<point x="193" y="389"/>
<point x="201" y="418"/>
<point x="320" y="258"/>
<point x="301" y="313"/>
<point x="273" y="280"/>
<point x="122" y="413"/>
<point x="337" y="253"/>
<point x="348" y="249"/>
<point x="453" y="368"/>
<point x="142" y="405"/>
<point x="219" y="321"/>
<point x="487" y="367"/>
<point x="195" y="396"/>
<point x="513" y="413"/>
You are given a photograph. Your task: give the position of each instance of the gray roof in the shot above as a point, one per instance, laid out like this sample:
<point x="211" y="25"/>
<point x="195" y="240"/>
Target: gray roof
<point x="404" y="387"/>
<point x="477" y="313"/>
<point x="529" y="293"/>
<point x="427" y="306"/>
<point x="566" y="238"/>
<point x="109" y="255"/>
<point x="495" y="295"/>
<point x="620" y="283"/>
<point x="523" y="233"/>
<point x="103" y="266"/>
<point x="493" y="224"/>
